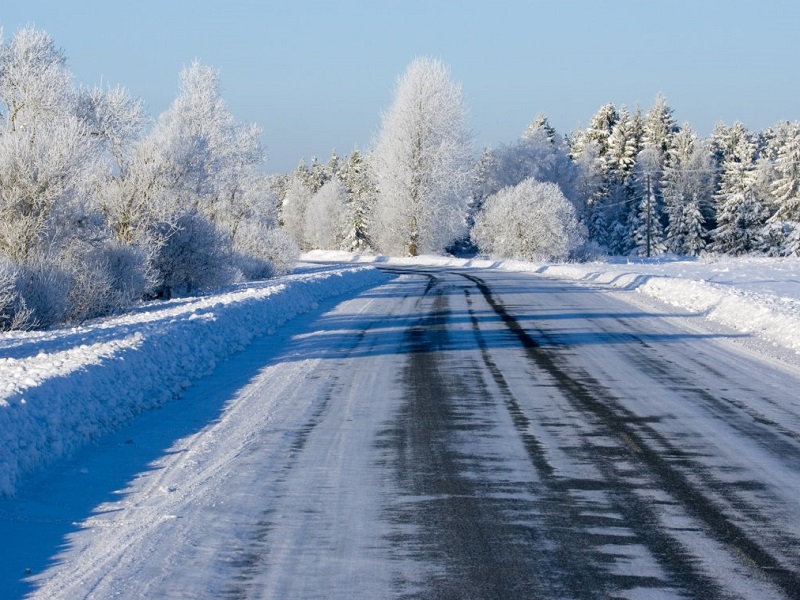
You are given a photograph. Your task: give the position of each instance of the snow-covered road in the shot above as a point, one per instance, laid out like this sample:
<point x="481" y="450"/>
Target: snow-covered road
<point x="457" y="433"/>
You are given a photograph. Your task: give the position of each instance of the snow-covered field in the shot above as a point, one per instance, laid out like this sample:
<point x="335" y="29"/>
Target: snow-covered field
<point x="60" y="389"/>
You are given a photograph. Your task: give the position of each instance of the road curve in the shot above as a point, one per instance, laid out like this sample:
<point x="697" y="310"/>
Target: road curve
<point x="474" y="434"/>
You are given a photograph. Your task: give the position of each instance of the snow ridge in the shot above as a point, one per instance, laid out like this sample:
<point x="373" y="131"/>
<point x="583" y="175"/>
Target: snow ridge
<point x="62" y="388"/>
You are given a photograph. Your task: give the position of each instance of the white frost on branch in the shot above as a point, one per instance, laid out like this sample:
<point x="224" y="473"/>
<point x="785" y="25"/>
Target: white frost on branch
<point x="422" y="163"/>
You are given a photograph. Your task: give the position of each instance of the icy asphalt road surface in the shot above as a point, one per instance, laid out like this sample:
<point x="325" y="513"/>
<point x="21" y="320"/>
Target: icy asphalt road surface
<point x="466" y="434"/>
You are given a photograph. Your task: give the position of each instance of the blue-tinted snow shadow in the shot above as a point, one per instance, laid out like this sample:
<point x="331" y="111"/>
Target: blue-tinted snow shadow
<point x="36" y="525"/>
<point x="551" y="328"/>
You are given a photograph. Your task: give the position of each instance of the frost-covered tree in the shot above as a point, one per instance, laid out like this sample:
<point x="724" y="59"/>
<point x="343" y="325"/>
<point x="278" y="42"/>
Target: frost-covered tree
<point x="360" y="185"/>
<point x="786" y="185"/>
<point x="646" y="231"/>
<point x="293" y="209"/>
<point x="115" y="120"/>
<point x="327" y="217"/>
<point x="740" y="211"/>
<point x="46" y="154"/>
<point x="422" y="162"/>
<point x="688" y="188"/>
<point x="198" y="164"/>
<point x="535" y="155"/>
<point x="530" y="221"/>
<point x="659" y="127"/>
<point x="205" y="155"/>
<point x="44" y="179"/>
<point x="35" y="82"/>
<point x="193" y="257"/>
<point x="600" y="127"/>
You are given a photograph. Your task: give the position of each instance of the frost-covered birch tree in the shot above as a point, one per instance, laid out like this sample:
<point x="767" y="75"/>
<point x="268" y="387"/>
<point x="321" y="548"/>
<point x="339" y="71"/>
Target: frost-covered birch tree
<point x="422" y="163"/>
<point x="532" y="220"/>
<point x="327" y="217"/>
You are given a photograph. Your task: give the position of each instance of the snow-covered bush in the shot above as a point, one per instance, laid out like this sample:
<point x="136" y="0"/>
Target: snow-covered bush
<point x="530" y="221"/>
<point x="8" y="294"/>
<point x="106" y="278"/>
<point x="193" y="257"/>
<point x="263" y="251"/>
<point x="536" y="155"/>
<point x="43" y="289"/>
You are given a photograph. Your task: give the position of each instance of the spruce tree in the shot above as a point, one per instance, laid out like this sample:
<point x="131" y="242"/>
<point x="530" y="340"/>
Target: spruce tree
<point x="362" y="192"/>
<point x="786" y="187"/>
<point x="740" y="212"/>
<point x="540" y="123"/>
<point x="659" y="127"/>
<point x="646" y="230"/>
<point x="598" y="132"/>
<point x="688" y="185"/>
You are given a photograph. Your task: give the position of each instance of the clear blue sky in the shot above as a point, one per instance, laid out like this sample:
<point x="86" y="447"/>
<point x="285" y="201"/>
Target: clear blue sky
<point x="316" y="75"/>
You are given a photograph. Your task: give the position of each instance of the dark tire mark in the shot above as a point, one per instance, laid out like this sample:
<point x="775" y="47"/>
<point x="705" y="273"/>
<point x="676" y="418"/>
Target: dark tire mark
<point x="594" y="399"/>
<point x="571" y="540"/>
<point x="460" y="531"/>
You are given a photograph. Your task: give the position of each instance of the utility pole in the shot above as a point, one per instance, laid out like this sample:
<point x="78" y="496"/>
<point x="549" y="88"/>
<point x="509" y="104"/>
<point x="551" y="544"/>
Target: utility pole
<point x="648" y="215"/>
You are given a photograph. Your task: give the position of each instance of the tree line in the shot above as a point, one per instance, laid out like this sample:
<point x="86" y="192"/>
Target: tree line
<point x="102" y="206"/>
<point x="632" y="183"/>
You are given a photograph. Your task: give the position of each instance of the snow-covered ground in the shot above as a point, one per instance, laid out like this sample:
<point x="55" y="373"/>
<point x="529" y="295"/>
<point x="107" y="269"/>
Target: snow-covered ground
<point x="62" y="388"/>
<point x="759" y="296"/>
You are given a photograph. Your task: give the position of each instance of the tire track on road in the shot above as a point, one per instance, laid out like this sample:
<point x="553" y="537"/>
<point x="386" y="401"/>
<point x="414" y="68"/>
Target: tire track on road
<point x="591" y="397"/>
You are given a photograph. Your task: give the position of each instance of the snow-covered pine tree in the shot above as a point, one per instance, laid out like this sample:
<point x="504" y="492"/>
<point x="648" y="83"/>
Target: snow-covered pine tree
<point x="659" y="127"/>
<point x="786" y="183"/>
<point x="599" y="130"/>
<point x="333" y="168"/>
<point x="646" y="230"/>
<point x="740" y="212"/>
<point x="318" y="175"/>
<point x="624" y="144"/>
<point x="688" y="187"/>
<point x="540" y="123"/>
<point x="623" y="147"/>
<point x="362" y="193"/>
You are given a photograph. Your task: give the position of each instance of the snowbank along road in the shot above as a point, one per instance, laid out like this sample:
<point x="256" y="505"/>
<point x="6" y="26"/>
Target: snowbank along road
<point x="466" y="434"/>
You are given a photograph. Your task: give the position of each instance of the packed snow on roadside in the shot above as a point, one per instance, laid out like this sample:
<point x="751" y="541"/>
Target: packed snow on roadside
<point x="759" y="296"/>
<point x="61" y="388"/>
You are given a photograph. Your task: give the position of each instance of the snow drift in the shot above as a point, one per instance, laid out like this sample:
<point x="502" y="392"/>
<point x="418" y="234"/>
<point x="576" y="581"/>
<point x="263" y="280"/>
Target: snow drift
<point x="59" y="389"/>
